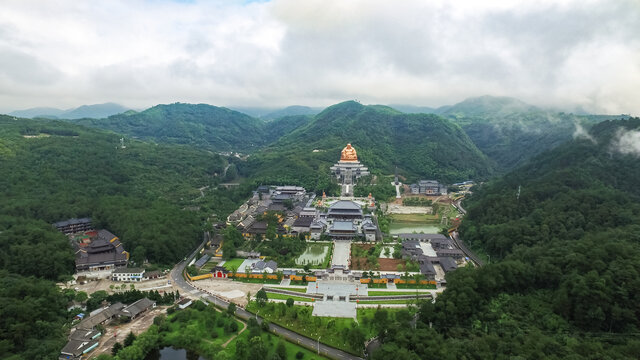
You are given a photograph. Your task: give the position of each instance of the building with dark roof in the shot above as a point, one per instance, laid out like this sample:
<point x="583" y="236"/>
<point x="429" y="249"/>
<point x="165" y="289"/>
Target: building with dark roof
<point x="264" y="266"/>
<point x="447" y="264"/>
<point x="426" y="267"/>
<point x="104" y="252"/>
<point x="454" y="253"/>
<point x="345" y="210"/>
<point x="101" y="317"/>
<point x="72" y="226"/>
<point x="203" y="260"/>
<point x="343" y="230"/>
<point x="411" y="249"/>
<point x="369" y="229"/>
<point x="422" y="237"/>
<point x="134" y="310"/>
<point x="428" y="187"/>
<point x="81" y="342"/>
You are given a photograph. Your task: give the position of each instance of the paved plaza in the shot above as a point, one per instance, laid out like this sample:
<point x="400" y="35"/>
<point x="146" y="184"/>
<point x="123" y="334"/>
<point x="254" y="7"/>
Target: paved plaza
<point x="336" y="298"/>
<point x="341" y="253"/>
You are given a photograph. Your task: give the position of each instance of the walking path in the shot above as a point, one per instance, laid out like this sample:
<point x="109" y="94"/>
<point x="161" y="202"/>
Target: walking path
<point x="341" y="253"/>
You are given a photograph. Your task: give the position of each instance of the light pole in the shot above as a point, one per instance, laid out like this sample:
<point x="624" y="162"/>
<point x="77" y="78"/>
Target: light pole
<point x="319" y="344"/>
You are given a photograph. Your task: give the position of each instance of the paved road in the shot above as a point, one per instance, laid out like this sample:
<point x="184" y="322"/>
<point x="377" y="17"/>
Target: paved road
<point x="187" y="288"/>
<point x="461" y="245"/>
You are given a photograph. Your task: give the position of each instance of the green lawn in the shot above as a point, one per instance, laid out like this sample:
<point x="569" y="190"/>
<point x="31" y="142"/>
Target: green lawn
<point x="415" y="286"/>
<point x="404" y="301"/>
<point x="387" y="293"/>
<point x="234" y="264"/>
<point x="377" y="286"/>
<point x="285" y="297"/>
<point x="300" y="290"/>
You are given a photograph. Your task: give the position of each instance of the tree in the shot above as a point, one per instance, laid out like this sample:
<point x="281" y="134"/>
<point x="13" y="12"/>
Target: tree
<point x="290" y="302"/>
<point x="138" y="255"/>
<point x="281" y="350"/>
<point x="116" y="347"/>
<point x="81" y="296"/>
<point x="129" y="339"/>
<point x="261" y="297"/>
<point x="231" y="309"/>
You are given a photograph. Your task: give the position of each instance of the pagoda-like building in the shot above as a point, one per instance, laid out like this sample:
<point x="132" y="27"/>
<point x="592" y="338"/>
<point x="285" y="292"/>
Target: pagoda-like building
<point x="348" y="170"/>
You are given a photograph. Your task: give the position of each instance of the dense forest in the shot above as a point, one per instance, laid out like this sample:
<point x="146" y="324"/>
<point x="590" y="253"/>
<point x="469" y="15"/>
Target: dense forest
<point x="565" y="258"/>
<point x="146" y="194"/>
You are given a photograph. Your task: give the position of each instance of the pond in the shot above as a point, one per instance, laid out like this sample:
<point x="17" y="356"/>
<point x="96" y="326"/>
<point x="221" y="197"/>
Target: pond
<point x="313" y="255"/>
<point x="170" y="353"/>
<point x="410" y="227"/>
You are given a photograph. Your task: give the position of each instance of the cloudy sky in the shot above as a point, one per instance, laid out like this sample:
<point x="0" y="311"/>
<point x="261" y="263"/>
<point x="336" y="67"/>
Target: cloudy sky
<point x="318" y="52"/>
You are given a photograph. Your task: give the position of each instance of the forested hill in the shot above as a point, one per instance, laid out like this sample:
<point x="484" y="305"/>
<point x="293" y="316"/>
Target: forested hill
<point x="207" y="126"/>
<point x="146" y="194"/>
<point x="564" y="277"/>
<point x="53" y="170"/>
<point x="510" y="131"/>
<point x="423" y="146"/>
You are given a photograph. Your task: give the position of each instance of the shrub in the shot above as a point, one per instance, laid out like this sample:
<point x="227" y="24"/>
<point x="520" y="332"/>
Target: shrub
<point x="299" y="355"/>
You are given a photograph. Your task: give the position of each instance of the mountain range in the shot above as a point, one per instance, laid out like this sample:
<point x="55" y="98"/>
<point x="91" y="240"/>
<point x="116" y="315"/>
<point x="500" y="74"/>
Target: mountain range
<point x="84" y="111"/>
<point x="505" y="132"/>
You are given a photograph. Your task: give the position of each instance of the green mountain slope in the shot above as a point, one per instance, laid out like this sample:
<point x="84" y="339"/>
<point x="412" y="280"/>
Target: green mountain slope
<point x="54" y="170"/>
<point x="421" y="145"/>
<point x="210" y="127"/>
<point x="563" y="282"/>
<point x="510" y="131"/>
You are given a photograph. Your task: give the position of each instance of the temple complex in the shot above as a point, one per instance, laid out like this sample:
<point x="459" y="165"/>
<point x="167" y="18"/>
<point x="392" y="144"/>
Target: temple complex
<point x="348" y="170"/>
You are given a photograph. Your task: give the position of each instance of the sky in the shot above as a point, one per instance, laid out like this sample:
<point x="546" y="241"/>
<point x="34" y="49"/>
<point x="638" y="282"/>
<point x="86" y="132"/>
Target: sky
<point x="564" y="54"/>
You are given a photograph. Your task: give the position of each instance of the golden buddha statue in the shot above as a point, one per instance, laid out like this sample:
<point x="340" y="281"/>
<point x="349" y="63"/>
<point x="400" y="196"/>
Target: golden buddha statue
<point x="349" y="154"/>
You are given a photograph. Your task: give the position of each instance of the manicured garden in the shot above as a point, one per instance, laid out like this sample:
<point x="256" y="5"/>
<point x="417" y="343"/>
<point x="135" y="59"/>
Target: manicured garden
<point x="212" y="334"/>
<point x="390" y="293"/>
<point x="415" y="286"/>
<point x="301" y="290"/>
<point x="398" y="301"/>
<point x="341" y="333"/>
<point x="285" y="297"/>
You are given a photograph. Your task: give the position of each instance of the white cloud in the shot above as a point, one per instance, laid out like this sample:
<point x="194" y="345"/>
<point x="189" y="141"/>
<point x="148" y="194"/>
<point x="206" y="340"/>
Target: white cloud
<point x="627" y="142"/>
<point x="317" y="52"/>
<point x="582" y="133"/>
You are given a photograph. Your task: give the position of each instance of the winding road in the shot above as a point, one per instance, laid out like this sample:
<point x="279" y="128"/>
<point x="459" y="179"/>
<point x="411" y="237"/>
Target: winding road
<point x="188" y="288"/>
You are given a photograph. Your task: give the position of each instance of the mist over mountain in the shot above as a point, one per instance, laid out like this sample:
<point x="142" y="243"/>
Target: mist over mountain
<point x="95" y="111"/>
<point x="510" y="131"/>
